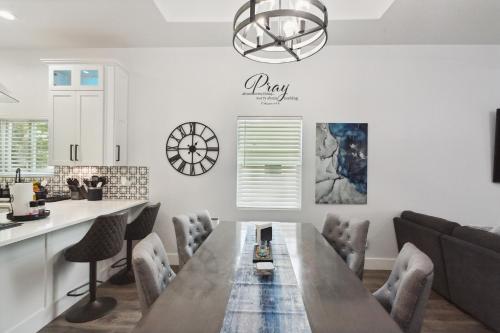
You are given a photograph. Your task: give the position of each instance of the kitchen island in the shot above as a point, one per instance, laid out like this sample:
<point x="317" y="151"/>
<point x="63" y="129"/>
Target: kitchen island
<point x="34" y="276"/>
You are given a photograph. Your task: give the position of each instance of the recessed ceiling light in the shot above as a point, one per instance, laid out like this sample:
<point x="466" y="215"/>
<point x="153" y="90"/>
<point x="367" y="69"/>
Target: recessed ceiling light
<point x="7" y="15"/>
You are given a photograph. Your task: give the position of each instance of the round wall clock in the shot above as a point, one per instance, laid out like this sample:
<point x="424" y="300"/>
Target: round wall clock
<point x="192" y="148"/>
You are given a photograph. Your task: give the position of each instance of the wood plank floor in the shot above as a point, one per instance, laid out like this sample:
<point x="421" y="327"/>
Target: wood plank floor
<point x="440" y="317"/>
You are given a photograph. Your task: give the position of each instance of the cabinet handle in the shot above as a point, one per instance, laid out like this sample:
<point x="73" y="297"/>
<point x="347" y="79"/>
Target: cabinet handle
<point x="76" y="152"/>
<point x="71" y="152"/>
<point x="118" y="150"/>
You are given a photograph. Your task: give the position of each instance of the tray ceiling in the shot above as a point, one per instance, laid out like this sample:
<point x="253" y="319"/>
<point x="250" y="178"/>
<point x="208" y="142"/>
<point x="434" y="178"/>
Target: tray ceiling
<point x="139" y="23"/>
<point x="223" y="10"/>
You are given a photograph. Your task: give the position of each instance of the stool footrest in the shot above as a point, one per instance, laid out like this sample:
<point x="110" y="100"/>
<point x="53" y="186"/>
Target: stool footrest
<point x="120" y="263"/>
<point x="73" y="293"/>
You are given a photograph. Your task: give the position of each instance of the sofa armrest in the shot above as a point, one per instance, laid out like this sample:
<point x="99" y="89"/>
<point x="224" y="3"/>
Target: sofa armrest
<point x="429" y="242"/>
<point x="474" y="279"/>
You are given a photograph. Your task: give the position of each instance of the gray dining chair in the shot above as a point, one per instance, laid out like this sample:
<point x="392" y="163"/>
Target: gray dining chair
<point x="348" y="238"/>
<point x="191" y="230"/>
<point x="152" y="270"/>
<point x="406" y="292"/>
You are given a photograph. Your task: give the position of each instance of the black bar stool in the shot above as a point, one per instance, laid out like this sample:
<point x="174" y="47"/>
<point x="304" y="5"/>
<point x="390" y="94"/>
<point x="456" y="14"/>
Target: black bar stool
<point x="103" y="240"/>
<point x="136" y="230"/>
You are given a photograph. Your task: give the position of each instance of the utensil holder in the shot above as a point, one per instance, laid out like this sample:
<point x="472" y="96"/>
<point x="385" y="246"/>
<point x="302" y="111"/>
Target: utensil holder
<point x="75" y="195"/>
<point x="94" y="193"/>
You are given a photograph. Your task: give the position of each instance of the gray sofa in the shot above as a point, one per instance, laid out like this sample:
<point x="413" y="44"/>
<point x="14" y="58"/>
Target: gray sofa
<point x="472" y="259"/>
<point x="466" y="262"/>
<point x="425" y="233"/>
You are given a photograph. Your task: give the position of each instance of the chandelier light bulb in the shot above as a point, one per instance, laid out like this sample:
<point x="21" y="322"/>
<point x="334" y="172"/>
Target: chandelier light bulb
<point x="259" y="32"/>
<point x="290" y="28"/>
<point x="303" y="5"/>
<point x="264" y="22"/>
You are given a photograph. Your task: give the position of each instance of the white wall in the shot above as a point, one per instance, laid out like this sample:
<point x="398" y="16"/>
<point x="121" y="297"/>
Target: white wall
<point x="27" y="80"/>
<point x="429" y="109"/>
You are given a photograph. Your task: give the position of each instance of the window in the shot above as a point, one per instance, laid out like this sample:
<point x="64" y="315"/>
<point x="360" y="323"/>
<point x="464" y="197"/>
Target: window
<point x="24" y="144"/>
<point x="269" y="162"/>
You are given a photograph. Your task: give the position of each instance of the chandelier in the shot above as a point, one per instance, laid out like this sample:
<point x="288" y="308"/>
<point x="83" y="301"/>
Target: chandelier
<point x="280" y="31"/>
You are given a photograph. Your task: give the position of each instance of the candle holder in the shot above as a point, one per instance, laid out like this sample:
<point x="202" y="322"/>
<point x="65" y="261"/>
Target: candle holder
<point x="263" y="252"/>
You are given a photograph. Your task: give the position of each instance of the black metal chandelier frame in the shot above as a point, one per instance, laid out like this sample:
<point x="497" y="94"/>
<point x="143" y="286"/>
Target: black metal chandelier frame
<point x="280" y="43"/>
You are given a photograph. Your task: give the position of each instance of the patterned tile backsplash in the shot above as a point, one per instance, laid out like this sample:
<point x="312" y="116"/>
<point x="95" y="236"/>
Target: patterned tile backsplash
<point x="125" y="182"/>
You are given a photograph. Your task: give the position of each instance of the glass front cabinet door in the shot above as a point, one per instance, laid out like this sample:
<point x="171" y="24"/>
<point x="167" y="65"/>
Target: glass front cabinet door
<point x="90" y="77"/>
<point x="61" y="78"/>
<point x="76" y="77"/>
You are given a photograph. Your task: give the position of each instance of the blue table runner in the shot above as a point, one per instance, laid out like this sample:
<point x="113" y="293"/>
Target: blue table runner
<point x="265" y="304"/>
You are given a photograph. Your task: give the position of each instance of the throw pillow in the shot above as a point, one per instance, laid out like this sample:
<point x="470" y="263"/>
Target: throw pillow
<point x="496" y="230"/>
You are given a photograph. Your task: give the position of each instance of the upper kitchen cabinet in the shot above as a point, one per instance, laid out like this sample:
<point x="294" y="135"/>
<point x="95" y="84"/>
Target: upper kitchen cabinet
<point x="116" y="152"/>
<point x="88" y="106"/>
<point x="76" y="77"/>
<point x="76" y="138"/>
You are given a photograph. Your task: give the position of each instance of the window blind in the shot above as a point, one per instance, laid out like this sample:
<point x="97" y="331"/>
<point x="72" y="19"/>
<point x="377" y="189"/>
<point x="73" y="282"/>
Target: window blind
<point x="24" y="144"/>
<point x="269" y="174"/>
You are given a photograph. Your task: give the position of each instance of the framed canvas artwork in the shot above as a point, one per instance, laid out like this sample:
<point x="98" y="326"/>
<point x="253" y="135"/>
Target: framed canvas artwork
<point x="341" y="163"/>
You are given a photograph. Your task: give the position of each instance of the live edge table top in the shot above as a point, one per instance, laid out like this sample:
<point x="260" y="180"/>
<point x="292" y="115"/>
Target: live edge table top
<point x="335" y="299"/>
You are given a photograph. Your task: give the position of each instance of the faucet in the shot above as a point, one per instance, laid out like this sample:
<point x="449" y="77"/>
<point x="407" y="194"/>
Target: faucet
<point x="18" y="176"/>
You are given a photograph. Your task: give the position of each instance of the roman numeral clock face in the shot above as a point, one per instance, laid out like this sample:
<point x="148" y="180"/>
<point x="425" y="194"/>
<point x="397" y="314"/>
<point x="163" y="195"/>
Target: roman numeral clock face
<point x="192" y="148"/>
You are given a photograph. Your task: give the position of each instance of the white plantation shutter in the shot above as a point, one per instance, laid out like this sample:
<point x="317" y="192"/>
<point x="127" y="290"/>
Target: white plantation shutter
<point x="269" y="162"/>
<point x="24" y="144"/>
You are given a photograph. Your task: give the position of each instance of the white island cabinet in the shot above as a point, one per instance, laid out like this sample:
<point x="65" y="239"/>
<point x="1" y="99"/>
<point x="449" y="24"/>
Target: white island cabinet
<point x="35" y="277"/>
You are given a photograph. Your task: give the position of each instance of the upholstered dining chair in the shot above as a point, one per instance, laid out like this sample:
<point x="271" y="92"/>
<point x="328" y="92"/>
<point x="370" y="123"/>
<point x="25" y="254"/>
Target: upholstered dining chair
<point x="151" y="269"/>
<point x="348" y="238"/>
<point x="406" y="292"/>
<point x="191" y="230"/>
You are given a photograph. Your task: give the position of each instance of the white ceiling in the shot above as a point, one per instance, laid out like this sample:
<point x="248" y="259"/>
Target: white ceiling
<point x="139" y="23"/>
<point x="224" y="10"/>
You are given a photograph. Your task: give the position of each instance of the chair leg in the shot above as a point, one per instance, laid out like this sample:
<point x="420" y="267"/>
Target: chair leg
<point x="94" y="307"/>
<point x="129" y="255"/>
<point x="92" y="281"/>
<point x="126" y="275"/>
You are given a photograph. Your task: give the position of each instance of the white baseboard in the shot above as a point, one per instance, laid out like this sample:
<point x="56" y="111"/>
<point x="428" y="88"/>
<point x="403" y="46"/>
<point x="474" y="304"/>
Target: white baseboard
<point x="173" y="258"/>
<point x="385" y="264"/>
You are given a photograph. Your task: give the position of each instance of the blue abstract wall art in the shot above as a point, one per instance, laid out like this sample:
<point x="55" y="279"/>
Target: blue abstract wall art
<point x="341" y="163"/>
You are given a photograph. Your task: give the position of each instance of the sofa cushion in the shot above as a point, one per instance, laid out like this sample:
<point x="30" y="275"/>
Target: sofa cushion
<point x="435" y="223"/>
<point x="478" y="237"/>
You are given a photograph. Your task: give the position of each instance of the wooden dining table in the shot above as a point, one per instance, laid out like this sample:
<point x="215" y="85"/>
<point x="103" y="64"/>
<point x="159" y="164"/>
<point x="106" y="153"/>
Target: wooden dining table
<point x="334" y="298"/>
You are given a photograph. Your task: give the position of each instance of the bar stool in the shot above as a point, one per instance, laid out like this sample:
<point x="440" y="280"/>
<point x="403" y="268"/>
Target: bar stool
<point x="136" y="230"/>
<point x="103" y="240"/>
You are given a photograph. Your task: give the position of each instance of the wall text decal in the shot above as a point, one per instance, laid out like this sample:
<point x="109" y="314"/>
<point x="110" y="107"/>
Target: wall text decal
<point x="266" y="91"/>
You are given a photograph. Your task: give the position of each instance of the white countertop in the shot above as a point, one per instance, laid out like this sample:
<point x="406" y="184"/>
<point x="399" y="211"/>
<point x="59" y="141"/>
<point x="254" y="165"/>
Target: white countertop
<point x="64" y="214"/>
